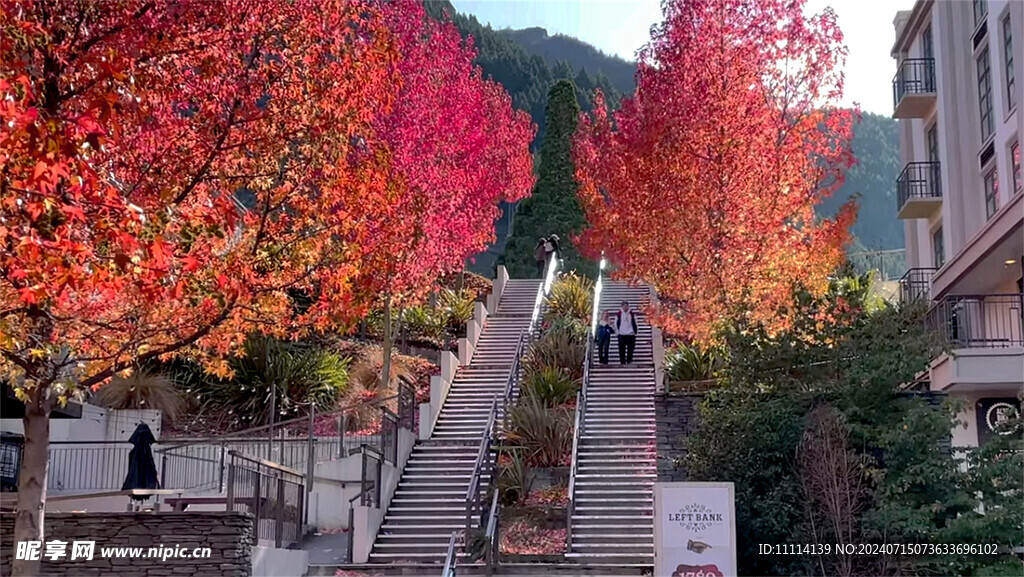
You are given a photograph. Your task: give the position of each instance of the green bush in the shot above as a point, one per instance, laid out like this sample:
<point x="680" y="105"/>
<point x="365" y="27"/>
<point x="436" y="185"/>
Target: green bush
<point x="425" y="323"/>
<point x="297" y="372"/>
<point x="515" y="479"/>
<point x="571" y="298"/>
<point x="457" y="307"/>
<point x="692" y="363"/>
<point x="562" y="347"/>
<point x="550" y="386"/>
<point x="543" y="433"/>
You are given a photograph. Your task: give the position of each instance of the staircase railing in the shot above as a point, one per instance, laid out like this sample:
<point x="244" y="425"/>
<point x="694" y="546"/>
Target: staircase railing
<point x="474" y="506"/>
<point x="542" y="291"/>
<point x="451" y="557"/>
<point x="581" y="402"/>
<point x="491" y="535"/>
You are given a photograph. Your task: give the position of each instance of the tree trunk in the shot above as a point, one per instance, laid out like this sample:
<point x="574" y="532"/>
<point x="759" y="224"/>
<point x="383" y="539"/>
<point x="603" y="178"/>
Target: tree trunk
<point x="385" y="370"/>
<point x="28" y="521"/>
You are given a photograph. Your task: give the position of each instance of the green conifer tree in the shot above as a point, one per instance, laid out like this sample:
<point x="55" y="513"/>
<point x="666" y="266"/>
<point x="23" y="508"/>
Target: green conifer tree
<point x="553" y="208"/>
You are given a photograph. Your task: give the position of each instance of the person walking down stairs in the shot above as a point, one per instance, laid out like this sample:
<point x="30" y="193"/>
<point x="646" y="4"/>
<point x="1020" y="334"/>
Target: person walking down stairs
<point x="540" y="255"/>
<point x="625" y="327"/>
<point x="604" y="337"/>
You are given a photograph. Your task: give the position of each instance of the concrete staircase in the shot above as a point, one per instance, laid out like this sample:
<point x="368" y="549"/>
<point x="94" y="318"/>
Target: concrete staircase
<point x="613" y="517"/>
<point x="430" y="501"/>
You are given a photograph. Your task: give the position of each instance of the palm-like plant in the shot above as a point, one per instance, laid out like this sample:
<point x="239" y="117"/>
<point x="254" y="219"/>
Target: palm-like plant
<point x="143" y="390"/>
<point x="694" y="365"/>
<point x="571" y="297"/>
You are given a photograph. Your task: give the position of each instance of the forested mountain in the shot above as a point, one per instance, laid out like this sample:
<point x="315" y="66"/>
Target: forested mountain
<point x="528" y="62"/>
<point x="876" y="147"/>
<point x="579" y="54"/>
<point x="527" y="73"/>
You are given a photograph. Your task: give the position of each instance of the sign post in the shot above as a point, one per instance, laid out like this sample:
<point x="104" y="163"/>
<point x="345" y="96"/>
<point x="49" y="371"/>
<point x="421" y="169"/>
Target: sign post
<point x="694" y="530"/>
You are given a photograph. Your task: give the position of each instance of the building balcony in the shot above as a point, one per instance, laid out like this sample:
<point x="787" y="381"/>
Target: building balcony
<point x="986" y="339"/>
<point x="918" y="190"/>
<point x="916" y="284"/>
<point x="913" y="88"/>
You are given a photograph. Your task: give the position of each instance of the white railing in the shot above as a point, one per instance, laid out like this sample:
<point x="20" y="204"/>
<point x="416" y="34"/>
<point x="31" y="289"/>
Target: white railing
<point x="581" y="401"/>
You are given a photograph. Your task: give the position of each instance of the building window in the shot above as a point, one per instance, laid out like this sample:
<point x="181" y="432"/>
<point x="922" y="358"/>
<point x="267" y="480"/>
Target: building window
<point x="1018" y="179"/>
<point x="938" y="250"/>
<point x="985" y="96"/>
<point x="980" y="11"/>
<point x="991" y="193"/>
<point x="933" y="143"/>
<point x="1011" y="92"/>
<point x="927" y="48"/>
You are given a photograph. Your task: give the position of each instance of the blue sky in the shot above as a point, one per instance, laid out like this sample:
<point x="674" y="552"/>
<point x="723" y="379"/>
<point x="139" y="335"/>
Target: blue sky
<point x="622" y="26"/>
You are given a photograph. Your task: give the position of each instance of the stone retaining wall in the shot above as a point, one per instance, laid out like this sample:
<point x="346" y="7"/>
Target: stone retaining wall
<point x="676" y="418"/>
<point x="228" y="535"/>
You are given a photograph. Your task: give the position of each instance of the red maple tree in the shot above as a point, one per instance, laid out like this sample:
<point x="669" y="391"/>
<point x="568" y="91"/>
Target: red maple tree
<point x="455" y="149"/>
<point x="172" y="171"/>
<point x="704" y="183"/>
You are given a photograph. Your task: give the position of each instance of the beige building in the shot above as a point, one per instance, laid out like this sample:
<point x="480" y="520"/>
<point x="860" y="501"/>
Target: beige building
<point x="958" y="96"/>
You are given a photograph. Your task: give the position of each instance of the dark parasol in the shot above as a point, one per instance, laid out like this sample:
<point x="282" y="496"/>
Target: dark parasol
<point x="141" y="466"/>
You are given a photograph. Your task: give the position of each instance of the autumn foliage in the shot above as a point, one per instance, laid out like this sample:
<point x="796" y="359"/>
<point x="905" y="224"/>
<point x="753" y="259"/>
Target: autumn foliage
<point x="704" y="183"/>
<point x="178" y="175"/>
<point x="455" y="148"/>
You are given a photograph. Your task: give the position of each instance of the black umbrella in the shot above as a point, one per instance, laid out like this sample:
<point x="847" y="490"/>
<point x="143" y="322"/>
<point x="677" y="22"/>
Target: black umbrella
<point x="141" y="467"/>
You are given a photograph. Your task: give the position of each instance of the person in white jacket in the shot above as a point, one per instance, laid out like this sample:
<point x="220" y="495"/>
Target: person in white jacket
<point x="625" y="328"/>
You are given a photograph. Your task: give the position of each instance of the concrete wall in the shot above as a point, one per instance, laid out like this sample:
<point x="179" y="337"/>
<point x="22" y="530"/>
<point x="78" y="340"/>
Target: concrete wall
<point x="272" y="562"/>
<point x="228" y="535"/>
<point x="367" y="520"/>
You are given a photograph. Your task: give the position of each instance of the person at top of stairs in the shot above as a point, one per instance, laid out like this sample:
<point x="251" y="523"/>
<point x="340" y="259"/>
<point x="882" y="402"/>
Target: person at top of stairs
<point x="540" y="255"/>
<point x="604" y="337"/>
<point x="625" y="326"/>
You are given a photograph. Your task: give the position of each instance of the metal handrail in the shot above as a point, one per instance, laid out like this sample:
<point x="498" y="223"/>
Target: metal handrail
<point x="228" y="437"/>
<point x="581" y="401"/>
<point x="542" y="291"/>
<point x="491" y="534"/>
<point x="473" y="492"/>
<point x="450" y="557"/>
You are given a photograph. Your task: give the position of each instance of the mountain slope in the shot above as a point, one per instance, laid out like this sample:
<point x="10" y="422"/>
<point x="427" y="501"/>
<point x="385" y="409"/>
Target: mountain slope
<point x="876" y="147"/>
<point x="579" y="55"/>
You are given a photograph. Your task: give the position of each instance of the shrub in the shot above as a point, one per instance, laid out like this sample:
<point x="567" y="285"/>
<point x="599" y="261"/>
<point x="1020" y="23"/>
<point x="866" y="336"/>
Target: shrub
<point x="571" y="297"/>
<point x="550" y="386"/>
<point x="516" y="479"/>
<point x="299" y="374"/>
<point x="365" y="385"/>
<point x="562" y="347"/>
<point x="544" y="434"/>
<point x="692" y="363"/>
<point x="143" y="390"/>
<point x="425" y="323"/>
<point x="457" y="307"/>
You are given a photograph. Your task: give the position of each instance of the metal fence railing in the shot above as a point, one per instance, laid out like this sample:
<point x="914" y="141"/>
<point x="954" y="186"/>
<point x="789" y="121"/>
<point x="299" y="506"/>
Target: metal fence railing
<point x="979" y="321"/>
<point x="369" y="488"/>
<point x="916" y="284"/>
<point x="272" y="494"/>
<point x="913" y="76"/>
<point x="918" y="180"/>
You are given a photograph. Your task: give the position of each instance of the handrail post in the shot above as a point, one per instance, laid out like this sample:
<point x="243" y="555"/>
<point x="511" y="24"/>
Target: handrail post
<point x="220" y="477"/>
<point x="279" y="514"/>
<point x="231" y="485"/>
<point x="163" y="472"/>
<point x="311" y="450"/>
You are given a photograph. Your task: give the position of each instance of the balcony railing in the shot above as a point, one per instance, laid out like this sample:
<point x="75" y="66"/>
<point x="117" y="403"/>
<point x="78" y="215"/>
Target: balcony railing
<point x="979" y="321"/>
<point x="916" y="284"/>
<point x="914" y="76"/>
<point x="919" y="180"/>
